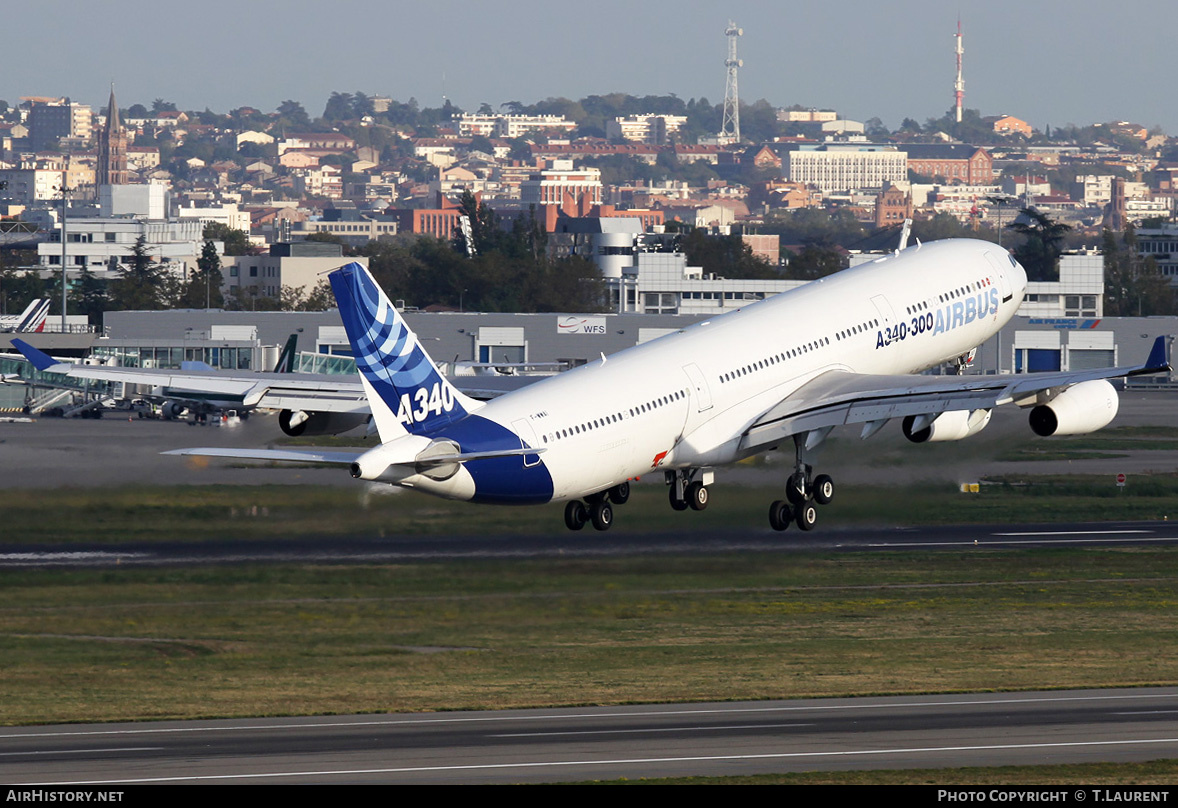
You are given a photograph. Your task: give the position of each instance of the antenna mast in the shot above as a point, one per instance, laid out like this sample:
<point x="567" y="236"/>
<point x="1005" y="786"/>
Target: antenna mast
<point x="959" y="85"/>
<point x="730" y="128"/>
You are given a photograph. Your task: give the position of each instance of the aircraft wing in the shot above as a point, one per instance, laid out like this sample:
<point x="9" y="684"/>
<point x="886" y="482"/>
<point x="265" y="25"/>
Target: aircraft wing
<point x="277" y="391"/>
<point x="838" y="398"/>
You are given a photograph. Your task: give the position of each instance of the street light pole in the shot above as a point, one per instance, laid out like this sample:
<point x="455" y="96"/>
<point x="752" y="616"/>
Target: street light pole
<point x="65" y="181"/>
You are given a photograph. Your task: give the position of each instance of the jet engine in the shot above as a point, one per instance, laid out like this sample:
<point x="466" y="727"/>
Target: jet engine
<point x="173" y="409"/>
<point x="1078" y="410"/>
<point x="298" y="422"/>
<point x="952" y="425"/>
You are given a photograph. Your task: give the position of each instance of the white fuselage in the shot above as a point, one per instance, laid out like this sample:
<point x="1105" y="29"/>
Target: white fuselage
<point x="686" y="399"/>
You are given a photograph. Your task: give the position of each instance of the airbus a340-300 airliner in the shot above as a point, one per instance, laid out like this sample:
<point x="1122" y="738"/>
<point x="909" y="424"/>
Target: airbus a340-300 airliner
<point x="844" y="350"/>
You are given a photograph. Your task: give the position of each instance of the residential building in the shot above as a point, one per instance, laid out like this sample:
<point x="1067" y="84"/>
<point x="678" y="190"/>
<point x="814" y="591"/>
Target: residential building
<point x="53" y="119"/>
<point x="103" y="244"/>
<point x="559" y="182"/>
<point x="1093" y="190"/>
<point x="511" y="126"/>
<point x="1009" y="125"/>
<point x="952" y="162"/>
<point x="295" y="265"/>
<point x="806" y="115"/>
<point x="439" y="221"/>
<point x="892" y="206"/>
<point x="649" y="128"/>
<point x="227" y="214"/>
<point x="150" y="200"/>
<point x="1023" y="185"/>
<point x="841" y="168"/>
<point x="1161" y="244"/>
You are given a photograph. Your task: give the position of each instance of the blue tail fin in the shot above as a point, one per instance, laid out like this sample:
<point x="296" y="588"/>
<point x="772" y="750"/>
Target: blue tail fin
<point x="40" y="360"/>
<point x="403" y="383"/>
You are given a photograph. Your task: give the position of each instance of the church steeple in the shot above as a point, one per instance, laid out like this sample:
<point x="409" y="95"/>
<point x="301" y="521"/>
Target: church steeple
<point x="112" y="112"/>
<point x="112" y="147"/>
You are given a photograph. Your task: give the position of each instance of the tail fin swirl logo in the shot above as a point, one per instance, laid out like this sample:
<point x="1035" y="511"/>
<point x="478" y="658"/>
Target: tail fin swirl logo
<point x="389" y="356"/>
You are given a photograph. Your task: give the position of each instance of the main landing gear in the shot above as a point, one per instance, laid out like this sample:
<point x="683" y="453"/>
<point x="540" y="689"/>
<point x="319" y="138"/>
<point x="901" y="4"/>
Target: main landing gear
<point x="803" y="493"/>
<point x="597" y="508"/>
<point x="688" y="488"/>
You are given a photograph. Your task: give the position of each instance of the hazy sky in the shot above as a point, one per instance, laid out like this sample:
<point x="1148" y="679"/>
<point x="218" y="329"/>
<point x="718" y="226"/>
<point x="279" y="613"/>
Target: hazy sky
<point x="1046" y="61"/>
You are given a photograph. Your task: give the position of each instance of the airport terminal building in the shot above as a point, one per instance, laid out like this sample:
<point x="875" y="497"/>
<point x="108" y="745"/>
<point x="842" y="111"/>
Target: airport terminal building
<point x="252" y="340"/>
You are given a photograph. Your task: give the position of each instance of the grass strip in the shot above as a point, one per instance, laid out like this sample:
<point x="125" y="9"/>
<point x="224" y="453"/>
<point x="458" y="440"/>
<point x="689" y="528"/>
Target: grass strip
<point x="136" y="644"/>
<point x="200" y="513"/>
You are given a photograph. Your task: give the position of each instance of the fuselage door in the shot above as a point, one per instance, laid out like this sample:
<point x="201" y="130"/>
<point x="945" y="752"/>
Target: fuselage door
<point x="1001" y="272"/>
<point x="887" y="316"/>
<point x="527" y="440"/>
<point x="703" y="396"/>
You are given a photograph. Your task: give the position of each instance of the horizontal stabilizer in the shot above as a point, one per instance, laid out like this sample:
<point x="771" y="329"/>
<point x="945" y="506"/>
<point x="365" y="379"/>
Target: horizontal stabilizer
<point x="438" y="460"/>
<point x="284" y="455"/>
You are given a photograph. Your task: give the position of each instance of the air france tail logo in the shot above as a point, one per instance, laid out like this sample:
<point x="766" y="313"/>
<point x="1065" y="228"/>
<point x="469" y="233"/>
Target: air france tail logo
<point x="946" y="318"/>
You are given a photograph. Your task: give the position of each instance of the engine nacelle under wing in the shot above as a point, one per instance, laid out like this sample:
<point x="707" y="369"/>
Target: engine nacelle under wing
<point x="952" y="425"/>
<point x="298" y="422"/>
<point x="1078" y="410"/>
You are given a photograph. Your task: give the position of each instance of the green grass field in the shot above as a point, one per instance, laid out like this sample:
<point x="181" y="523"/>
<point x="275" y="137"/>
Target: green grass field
<point x="203" y="513"/>
<point x="131" y="643"/>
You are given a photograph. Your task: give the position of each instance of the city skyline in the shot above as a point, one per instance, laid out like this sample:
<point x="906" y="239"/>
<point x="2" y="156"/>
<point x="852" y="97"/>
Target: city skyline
<point x="1050" y="63"/>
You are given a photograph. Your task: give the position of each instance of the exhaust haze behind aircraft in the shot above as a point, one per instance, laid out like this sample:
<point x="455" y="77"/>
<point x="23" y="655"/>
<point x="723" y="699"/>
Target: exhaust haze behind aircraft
<point x="843" y="350"/>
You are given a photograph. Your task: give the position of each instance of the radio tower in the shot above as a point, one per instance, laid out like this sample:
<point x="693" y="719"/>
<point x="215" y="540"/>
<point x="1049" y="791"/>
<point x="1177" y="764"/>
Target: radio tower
<point x="959" y="85"/>
<point x="730" y="128"/>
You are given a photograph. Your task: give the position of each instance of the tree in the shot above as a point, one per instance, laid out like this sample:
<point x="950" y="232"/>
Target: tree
<point x="362" y="105"/>
<point x="726" y="256"/>
<point x="237" y="242"/>
<point x="293" y="114"/>
<point x="1042" y="243"/>
<point x="18" y="288"/>
<point x="339" y="107"/>
<point x="813" y="262"/>
<point x="1133" y="286"/>
<point x="143" y="284"/>
<point x="203" y="289"/>
<point x="89" y="296"/>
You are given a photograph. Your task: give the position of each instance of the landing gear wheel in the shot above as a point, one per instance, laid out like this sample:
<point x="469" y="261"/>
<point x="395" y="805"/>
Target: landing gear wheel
<point x="602" y="515"/>
<point x="806" y="515"/>
<point x="795" y="489"/>
<point x="697" y="496"/>
<point x="575" y="515"/>
<point x="676" y="503"/>
<point x="779" y="515"/>
<point x="620" y="494"/>
<point x="823" y="489"/>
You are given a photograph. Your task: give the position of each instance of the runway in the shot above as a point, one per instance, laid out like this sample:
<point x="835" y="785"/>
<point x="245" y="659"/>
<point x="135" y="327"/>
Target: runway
<point x="605" y="743"/>
<point x="615" y="544"/>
